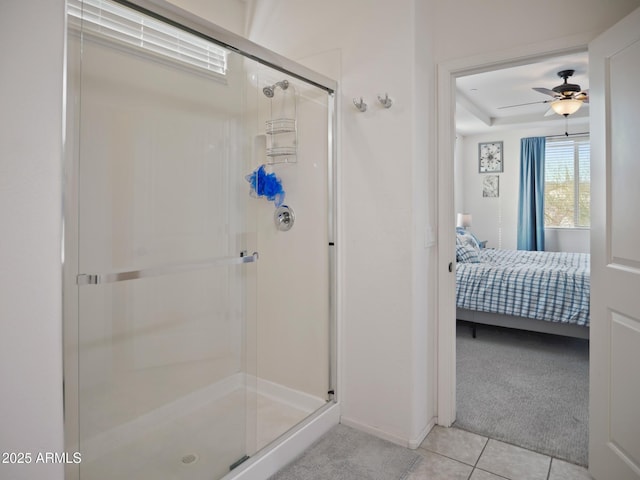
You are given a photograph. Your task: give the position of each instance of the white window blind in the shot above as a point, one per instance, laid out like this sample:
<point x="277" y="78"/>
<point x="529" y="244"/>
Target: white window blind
<point x="109" y="19"/>
<point x="567" y="190"/>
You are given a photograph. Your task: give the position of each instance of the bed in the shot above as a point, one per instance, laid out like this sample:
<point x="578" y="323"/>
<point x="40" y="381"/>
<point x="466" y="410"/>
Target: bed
<point x="539" y="291"/>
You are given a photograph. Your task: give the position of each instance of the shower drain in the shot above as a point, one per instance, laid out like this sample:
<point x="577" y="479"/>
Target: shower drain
<point x="190" y="459"/>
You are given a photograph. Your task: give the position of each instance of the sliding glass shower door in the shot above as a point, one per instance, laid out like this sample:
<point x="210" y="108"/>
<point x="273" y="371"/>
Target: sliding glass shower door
<point x="198" y="302"/>
<point x="166" y="262"/>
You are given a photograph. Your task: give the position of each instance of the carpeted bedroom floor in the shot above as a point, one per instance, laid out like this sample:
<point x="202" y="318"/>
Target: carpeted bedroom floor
<point x="528" y="389"/>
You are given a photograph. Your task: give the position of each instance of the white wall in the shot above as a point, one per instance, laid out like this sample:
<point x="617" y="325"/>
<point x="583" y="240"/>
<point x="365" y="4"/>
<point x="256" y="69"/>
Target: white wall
<point x="467" y="28"/>
<point x="32" y="39"/>
<point x="458" y="174"/>
<point x="496" y="219"/>
<point x="383" y="218"/>
<point x="567" y="240"/>
<point x="424" y="174"/>
<point x="228" y="14"/>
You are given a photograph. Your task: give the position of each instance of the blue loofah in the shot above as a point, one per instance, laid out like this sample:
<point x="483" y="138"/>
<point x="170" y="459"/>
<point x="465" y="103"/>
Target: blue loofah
<point x="267" y="185"/>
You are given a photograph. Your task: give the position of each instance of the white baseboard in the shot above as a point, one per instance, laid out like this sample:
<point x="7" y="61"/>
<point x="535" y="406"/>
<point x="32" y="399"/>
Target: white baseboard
<point x="416" y="442"/>
<point x="403" y="442"/>
<point x="376" y="432"/>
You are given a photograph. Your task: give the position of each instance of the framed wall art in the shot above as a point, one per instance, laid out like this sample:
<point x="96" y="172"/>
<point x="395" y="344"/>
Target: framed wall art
<point x="490" y="157"/>
<point x="491" y="186"/>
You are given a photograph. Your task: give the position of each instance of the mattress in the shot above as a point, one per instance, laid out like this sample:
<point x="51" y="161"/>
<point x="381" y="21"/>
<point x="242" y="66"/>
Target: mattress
<point x="550" y="286"/>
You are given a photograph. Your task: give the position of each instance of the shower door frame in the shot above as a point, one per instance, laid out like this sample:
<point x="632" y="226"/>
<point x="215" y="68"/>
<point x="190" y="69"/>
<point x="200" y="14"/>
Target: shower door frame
<point x="193" y="24"/>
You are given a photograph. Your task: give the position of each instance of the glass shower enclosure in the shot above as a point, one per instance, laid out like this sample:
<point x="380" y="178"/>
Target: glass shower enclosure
<point x="198" y="253"/>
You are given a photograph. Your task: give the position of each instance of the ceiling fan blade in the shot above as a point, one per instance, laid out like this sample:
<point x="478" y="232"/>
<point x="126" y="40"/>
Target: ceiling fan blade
<point x="523" y="104"/>
<point x="584" y="96"/>
<point x="546" y="91"/>
<point x="549" y="112"/>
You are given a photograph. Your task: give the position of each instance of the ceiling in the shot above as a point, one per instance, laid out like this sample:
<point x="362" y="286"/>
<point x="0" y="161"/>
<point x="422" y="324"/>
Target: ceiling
<point x="479" y="96"/>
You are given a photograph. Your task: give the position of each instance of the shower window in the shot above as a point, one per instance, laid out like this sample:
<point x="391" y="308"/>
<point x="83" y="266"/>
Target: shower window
<point x="107" y="19"/>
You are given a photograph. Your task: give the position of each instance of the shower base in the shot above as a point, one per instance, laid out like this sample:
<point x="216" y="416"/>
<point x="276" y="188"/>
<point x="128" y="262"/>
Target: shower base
<point x="200" y="442"/>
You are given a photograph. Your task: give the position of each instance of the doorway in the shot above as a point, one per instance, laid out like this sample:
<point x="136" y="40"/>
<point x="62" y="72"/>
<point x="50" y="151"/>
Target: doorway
<point x="449" y="201"/>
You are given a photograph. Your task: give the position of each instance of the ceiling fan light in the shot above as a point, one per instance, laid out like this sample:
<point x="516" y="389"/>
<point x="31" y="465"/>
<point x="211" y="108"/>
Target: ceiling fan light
<point x="566" y="106"/>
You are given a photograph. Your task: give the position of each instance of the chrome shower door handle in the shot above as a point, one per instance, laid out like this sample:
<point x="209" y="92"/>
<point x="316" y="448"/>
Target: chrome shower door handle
<point x="244" y="258"/>
<point x="97" y="278"/>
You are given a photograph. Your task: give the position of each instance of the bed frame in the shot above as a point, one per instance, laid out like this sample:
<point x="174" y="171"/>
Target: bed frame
<point x="510" y="321"/>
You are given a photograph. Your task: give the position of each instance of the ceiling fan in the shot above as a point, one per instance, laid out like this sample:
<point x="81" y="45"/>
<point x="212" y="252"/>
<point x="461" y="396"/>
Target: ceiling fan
<point x="567" y="97"/>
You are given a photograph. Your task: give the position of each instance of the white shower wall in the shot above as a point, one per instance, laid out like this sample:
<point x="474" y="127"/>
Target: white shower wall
<point x="293" y="271"/>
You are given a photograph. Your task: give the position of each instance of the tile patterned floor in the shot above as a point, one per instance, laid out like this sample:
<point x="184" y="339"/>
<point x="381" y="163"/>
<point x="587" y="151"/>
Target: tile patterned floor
<point x="454" y="454"/>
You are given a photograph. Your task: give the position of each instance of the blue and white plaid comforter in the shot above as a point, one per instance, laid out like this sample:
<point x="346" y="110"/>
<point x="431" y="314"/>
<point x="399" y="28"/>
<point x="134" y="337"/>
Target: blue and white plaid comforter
<point x="552" y="286"/>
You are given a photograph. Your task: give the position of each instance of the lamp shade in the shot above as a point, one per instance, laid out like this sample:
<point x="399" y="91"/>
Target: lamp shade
<point x="566" y="106"/>
<point x="463" y="220"/>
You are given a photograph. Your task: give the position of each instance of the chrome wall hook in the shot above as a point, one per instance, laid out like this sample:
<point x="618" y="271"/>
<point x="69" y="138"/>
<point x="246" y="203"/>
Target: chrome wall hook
<point x="360" y="105"/>
<point x="386" y="101"/>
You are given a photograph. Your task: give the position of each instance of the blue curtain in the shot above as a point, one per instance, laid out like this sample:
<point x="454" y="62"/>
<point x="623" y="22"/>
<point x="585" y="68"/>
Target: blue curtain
<point x="531" y="200"/>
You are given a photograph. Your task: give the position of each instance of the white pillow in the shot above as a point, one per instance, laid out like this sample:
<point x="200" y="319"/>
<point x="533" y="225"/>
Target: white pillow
<point x="467" y="239"/>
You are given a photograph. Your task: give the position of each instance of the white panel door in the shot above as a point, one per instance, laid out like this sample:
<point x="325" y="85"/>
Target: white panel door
<point x="614" y="63"/>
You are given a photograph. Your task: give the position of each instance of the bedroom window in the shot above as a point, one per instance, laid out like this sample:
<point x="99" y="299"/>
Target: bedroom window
<point x="567" y="183"/>
<point x="102" y="18"/>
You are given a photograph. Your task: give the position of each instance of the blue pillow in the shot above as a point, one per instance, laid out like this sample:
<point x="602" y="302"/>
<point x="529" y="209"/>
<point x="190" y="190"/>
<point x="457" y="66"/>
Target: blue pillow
<point x="467" y="254"/>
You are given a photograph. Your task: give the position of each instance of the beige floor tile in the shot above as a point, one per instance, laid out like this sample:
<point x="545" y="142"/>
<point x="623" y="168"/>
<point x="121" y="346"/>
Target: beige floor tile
<point x="514" y="462"/>
<point x="455" y="443"/>
<point x="482" y="475"/>
<point x="567" y="471"/>
<point x="436" y="467"/>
